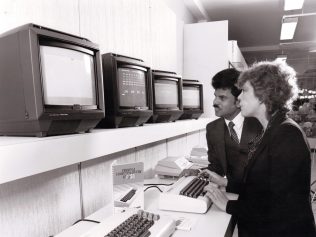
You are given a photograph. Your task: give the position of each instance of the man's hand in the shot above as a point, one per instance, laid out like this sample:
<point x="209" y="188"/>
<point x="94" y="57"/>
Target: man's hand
<point x="214" y="177"/>
<point x="189" y="172"/>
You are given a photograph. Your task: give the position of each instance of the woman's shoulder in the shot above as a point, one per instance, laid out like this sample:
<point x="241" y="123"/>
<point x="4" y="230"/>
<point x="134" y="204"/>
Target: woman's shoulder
<point x="289" y="138"/>
<point x="291" y="126"/>
<point x="289" y="130"/>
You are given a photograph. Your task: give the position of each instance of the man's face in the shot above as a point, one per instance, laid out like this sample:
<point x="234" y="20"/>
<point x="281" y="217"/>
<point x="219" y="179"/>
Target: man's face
<point x="225" y="104"/>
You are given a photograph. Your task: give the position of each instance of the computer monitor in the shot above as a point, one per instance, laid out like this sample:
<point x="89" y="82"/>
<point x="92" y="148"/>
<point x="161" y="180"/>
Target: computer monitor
<point x="128" y="93"/>
<point x="167" y="96"/>
<point x="51" y="82"/>
<point x="192" y="98"/>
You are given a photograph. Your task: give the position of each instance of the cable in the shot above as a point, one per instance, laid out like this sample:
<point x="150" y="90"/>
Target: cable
<point x="98" y="222"/>
<point x="158" y="184"/>
<point x="153" y="187"/>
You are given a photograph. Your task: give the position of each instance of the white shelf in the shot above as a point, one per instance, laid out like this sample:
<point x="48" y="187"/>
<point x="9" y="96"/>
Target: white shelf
<point x="24" y="156"/>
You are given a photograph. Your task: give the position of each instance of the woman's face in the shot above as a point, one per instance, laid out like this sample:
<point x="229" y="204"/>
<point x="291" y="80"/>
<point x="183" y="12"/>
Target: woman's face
<point x="249" y="103"/>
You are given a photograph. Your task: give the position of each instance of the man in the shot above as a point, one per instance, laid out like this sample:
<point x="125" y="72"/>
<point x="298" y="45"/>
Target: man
<point x="228" y="142"/>
<point x="228" y="137"/>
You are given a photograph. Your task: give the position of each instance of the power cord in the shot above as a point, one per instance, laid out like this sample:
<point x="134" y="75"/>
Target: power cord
<point x="154" y="186"/>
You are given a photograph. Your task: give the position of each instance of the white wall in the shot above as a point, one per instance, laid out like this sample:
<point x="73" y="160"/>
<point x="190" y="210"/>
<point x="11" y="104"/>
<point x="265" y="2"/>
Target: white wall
<point x="59" y="14"/>
<point x="205" y="53"/>
<point x="182" y="12"/>
<point x="183" y="17"/>
<point x="145" y="29"/>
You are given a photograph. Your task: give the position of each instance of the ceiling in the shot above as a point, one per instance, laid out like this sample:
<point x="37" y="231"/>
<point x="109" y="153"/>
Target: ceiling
<point x="256" y="25"/>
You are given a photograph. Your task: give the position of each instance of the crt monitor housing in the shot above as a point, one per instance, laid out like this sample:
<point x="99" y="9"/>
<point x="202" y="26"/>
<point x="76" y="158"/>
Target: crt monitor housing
<point x="51" y="83"/>
<point x="127" y="90"/>
<point x="167" y="96"/>
<point x="192" y="99"/>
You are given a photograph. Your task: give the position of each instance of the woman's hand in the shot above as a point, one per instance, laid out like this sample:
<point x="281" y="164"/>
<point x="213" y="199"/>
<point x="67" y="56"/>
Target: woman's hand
<point x="217" y="196"/>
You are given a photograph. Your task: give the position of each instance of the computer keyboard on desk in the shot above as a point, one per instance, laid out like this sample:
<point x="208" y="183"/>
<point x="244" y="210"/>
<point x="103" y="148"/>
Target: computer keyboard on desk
<point x="186" y="195"/>
<point x="134" y="223"/>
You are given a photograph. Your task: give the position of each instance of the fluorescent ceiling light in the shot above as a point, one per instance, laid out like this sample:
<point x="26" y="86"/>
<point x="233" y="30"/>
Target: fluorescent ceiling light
<point x="293" y="4"/>
<point x="288" y="28"/>
<point x="281" y="57"/>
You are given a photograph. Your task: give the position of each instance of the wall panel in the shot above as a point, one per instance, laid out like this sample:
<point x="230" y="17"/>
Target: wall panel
<point x="57" y="14"/>
<point x="176" y="146"/>
<point x="40" y="205"/>
<point x="202" y="140"/>
<point x="193" y="139"/>
<point x="164" y="36"/>
<point x="118" y="26"/>
<point x="205" y="53"/>
<point x="150" y="154"/>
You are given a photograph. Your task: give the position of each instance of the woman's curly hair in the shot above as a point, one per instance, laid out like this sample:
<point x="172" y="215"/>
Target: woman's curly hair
<point x="274" y="84"/>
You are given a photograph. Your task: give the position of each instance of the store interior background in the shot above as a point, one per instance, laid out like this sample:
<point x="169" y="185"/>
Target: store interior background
<point x="153" y="30"/>
<point x="256" y="26"/>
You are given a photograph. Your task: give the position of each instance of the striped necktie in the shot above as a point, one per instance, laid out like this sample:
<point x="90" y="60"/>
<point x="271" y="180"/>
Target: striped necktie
<point x="232" y="132"/>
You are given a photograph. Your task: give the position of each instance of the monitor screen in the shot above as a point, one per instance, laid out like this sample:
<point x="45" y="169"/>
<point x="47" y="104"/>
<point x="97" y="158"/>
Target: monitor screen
<point x="132" y="87"/>
<point x="191" y="97"/>
<point x="68" y="76"/>
<point x="166" y="93"/>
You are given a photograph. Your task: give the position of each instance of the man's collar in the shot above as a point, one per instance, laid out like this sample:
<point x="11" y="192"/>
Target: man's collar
<point x="238" y="121"/>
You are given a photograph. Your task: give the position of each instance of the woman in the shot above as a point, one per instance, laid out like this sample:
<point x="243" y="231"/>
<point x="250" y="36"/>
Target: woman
<point x="275" y="194"/>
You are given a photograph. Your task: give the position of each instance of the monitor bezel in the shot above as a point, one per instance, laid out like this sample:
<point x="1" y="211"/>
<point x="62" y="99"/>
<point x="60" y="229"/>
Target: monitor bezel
<point x="125" y="61"/>
<point x="165" y="75"/>
<point x="42" y="36"/>
<point x="191" y="83"/>
<point x="167" y="106"/>
<point x="26" y="113"/>
<point x="47" y="42"/>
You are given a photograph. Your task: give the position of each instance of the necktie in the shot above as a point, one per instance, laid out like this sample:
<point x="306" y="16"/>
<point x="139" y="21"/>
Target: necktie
<point x="232" y="131"/>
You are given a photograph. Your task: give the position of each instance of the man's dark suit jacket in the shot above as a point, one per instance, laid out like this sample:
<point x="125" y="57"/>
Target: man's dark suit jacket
<point x="215" y="132"/>
<point x="275" y="196"/>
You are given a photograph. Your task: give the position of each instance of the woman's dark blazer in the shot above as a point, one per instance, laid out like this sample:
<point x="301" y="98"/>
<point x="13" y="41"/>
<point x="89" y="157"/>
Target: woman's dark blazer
<point x="275" y="196"/>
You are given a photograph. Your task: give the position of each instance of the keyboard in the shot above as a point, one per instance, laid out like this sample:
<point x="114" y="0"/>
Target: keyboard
<point x="134" y="223"/>
<point x="186" y="195"/>
<point x="126" y="198"/>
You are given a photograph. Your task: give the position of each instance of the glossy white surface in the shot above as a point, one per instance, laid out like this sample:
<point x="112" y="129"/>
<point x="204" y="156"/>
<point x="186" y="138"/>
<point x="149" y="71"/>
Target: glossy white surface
<point x="16" y="154"/>
<point x="213" y="223"/>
